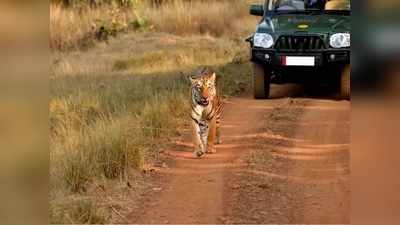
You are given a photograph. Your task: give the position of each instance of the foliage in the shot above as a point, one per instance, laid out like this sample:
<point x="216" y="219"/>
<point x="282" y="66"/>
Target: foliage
<point x="79" y="26"/>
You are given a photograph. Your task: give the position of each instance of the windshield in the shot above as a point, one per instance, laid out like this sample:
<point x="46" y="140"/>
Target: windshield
<point x="304" y="5"/>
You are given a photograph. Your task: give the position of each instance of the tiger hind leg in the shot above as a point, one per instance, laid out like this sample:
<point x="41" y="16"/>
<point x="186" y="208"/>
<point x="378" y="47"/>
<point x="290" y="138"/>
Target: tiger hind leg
<point x="218" y="130"/>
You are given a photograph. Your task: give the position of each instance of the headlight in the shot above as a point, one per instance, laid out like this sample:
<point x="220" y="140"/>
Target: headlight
<point x="263" y="40"/>
<point x="340" y="40"/>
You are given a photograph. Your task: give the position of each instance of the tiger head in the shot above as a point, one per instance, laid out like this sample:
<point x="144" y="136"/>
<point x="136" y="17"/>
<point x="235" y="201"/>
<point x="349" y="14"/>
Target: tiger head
<point x="203" y="88"/>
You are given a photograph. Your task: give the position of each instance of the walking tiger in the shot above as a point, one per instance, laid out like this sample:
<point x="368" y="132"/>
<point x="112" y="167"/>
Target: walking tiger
<point x="206" y="108"/>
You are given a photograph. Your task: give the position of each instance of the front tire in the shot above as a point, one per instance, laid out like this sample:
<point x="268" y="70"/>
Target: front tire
<point x="345" y="82"/>
<point x="261" y="82"/>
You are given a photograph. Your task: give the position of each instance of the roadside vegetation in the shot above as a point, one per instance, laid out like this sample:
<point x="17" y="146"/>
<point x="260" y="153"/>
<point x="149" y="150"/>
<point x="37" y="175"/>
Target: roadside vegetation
<point x="117" y="101"/>
<point x="78" y="24"/>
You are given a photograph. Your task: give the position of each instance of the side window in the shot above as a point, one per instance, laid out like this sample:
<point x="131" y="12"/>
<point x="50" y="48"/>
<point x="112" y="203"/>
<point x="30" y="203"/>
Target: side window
<point x="289" y="4"/>
<point x="298" y="4"/>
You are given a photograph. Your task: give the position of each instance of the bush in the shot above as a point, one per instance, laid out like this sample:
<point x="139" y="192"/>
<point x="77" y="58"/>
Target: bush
<point x="217" y="18"/>
<point x="78" y="211"/>
<point x="78" y="26"/>
<point x="72" y="28"/>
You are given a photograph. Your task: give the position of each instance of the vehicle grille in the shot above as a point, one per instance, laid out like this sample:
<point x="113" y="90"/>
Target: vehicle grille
<point x="299" y="43"/>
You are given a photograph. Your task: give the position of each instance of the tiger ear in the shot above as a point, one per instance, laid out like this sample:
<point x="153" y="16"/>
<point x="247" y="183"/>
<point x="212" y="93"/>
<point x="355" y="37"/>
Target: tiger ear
<point x="213" y="77"/>
<point x="191" y="79"/>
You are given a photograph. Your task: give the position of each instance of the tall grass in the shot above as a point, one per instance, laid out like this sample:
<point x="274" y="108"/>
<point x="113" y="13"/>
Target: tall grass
<point x="78" y="211"/>
<point x="103" y="128"/>
<point x="97" y="123"/>
<point x="72" y="28"/>
<point x="78" y="28"/>
<point x="217" y="18"/>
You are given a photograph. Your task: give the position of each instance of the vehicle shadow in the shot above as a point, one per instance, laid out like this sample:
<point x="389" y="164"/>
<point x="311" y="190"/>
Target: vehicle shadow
<point x="312" y="91"/>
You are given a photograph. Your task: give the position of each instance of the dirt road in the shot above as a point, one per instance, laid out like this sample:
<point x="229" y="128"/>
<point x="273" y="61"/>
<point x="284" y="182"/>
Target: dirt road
<point x="283" y="160"/>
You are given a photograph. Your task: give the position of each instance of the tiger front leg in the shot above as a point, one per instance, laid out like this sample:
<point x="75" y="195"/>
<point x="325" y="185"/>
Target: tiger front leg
<point x="204" y="134"/>
<point x="199" y="147"/>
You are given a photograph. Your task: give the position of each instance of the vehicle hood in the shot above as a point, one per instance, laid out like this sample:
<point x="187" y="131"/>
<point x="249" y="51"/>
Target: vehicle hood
<point x="320" y="23"/>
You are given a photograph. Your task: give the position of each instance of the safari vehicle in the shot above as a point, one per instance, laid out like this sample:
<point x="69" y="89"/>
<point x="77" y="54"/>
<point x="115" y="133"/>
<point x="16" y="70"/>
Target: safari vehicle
<point x="297" y="38"/>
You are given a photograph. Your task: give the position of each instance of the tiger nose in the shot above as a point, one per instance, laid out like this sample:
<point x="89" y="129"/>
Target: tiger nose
<point x="205" y="94"/>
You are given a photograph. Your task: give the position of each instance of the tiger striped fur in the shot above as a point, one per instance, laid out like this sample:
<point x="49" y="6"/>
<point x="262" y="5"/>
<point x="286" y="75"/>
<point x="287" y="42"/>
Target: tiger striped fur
<point x="206" y="108"/>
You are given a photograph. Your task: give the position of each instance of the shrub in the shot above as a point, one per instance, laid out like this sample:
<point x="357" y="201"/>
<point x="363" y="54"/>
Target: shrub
<point x="78" y="26"/>
<point x="77" y="211"/>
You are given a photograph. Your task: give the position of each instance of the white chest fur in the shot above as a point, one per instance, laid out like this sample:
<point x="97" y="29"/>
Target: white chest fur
<point x="199" y="111"/>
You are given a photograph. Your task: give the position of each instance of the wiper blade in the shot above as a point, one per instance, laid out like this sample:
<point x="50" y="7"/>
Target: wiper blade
<point x="343" y="12"/>
<point x="298" y="11"/>
<point x="291" y="12"/>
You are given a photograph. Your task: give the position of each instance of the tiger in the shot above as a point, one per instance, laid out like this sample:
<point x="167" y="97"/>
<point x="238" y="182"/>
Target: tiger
<point x="206" y="109"/>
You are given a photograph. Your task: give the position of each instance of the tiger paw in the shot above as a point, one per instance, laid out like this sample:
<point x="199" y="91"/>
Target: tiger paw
<point x="198" y="154"/>
<point x="211" y="150"/>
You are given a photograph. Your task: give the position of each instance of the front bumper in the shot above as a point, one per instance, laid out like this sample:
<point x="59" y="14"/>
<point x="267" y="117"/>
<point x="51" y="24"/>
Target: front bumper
<point x="323" y="58"/>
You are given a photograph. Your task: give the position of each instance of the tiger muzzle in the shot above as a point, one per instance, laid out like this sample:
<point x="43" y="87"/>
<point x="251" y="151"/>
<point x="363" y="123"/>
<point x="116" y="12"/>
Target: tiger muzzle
<point x="204" y="102"/>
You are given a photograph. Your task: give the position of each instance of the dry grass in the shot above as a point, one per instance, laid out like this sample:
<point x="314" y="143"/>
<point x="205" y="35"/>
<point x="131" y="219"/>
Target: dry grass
<point x="72" y="28"/>
<point x="217" y="18"/>
<point x="102" y="128"/>
<point x="96" y="124"/>
<point x="78" y="211"/>
<point x="147" y="53"/>
<point x="66" y="27"/>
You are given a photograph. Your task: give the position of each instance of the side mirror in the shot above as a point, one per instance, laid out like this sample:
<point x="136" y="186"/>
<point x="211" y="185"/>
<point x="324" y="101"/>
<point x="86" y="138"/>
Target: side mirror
<point x="257" y="10"/>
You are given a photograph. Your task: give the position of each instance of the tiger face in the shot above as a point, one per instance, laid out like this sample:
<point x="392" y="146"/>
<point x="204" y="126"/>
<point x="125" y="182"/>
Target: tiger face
<point x="204" y="89"/>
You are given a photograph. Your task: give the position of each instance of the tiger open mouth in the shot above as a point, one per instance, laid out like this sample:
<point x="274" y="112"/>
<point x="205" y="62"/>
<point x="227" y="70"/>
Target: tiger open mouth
<point x="204" y="102"/>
